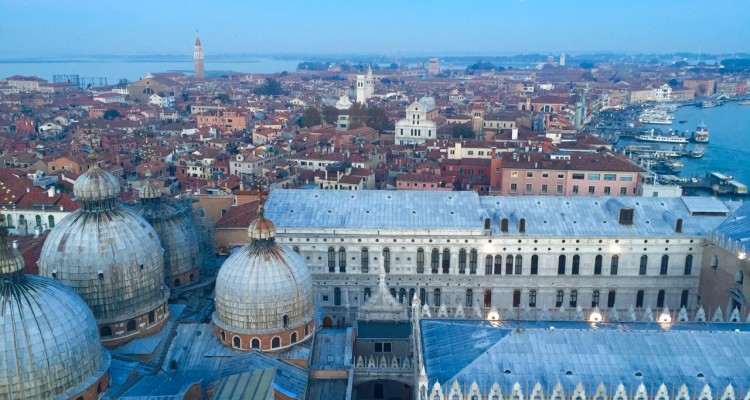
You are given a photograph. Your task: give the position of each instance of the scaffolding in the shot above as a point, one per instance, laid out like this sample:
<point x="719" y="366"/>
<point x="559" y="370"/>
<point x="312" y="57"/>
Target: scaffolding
<point x="82" y="82"/>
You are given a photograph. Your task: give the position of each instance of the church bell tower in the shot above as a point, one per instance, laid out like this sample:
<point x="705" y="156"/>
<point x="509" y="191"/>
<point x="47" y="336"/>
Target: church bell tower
<point x="198" y="58"/>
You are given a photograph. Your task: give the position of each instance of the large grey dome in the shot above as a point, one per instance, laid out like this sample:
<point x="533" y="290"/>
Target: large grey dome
<point x="177" y="233"/>
<point x="109" y="255"/>
<point x="262" y="286"/>
<point x="48" y="337"/>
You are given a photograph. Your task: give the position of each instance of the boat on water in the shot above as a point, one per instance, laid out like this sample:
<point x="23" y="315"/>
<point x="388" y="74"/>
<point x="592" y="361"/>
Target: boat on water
<point x="697" y="152"/>
<point x="652" y="136"/>
<point x="682" y="121"/>
<point x="744" y="103"/>
<point x="709" y="104"/>
<point x="701" y="134"/>
<point x="658" y="117"/>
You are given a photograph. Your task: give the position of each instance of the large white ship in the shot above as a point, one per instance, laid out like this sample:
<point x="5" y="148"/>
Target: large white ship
<point x="701" y="134"/>
<point x="655" y="137"/>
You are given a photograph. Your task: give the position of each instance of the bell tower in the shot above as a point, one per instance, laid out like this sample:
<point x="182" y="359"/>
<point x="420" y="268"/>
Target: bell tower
<point x="198" y="58"/>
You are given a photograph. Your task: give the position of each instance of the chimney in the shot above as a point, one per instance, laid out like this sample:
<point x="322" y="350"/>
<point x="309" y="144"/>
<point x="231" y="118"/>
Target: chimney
<point x="15" y="244"/>
<point x="51" y="191"/>
<point x="514" y="134"/>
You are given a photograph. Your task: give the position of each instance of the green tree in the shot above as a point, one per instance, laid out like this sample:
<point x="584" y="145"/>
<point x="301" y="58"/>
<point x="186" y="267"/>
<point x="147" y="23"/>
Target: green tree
<point x="111" y="114"/>
<point x="587" y="64"/>
<point x="330" y="113"/>
<point x="674" y="82"/>
<point x="271" y="88"/>
<point x="357" y="116"/>
<point x="311" y="117"/>
<point x="376" y="119"/>
<point x="223" y="98"/>
<point x="462" y="131"/>
<point x="393" y="66"/>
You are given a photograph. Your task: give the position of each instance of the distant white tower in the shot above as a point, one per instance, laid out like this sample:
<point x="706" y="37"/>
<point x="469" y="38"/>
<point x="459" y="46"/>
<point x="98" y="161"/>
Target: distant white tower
<point x="198" y="58"/>
<point x="361" y="92"/>
<point x="562" y="59"/>
<point x="369" y="84"/>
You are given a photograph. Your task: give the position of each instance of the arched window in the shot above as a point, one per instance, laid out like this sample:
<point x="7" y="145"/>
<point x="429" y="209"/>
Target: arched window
<point x="387" y="259"/>
<point x="614" y="264"/>
<point x="684" y="298"/>
<point x="368" y="293"/>
<point x="105" y="331"/>
<point x="331" y="259"/>
<point x="435" y="261"/>
<point x="559" y="298"/>
<point x="739" y="277"/>
<point x="561" y="265"/>
<point x="522" y="225"/>
<point x="151" y="317"/>
<point x="487" y="298"/>
<point x="504" y="225"/>
<point x="664" y="265"/>
<point x="337" y="297"/>
<point x="576" y="267"/>
<point x="342" y="259"/>
<point x="296" y="249"/>
<point x="446" y="260"/>
<point x="643" y="268"/>
<point x="688" y="265"/>
<point x="598" y="264"/>
<point x="473" y="256"/>
<point x="519" y="265"/>
<point x="411" y="295"/>
<point x="223" y="211"/>
<point x="401" y="295"/>
<point x="639" y="299"/>
<point x="436" y="297"/>
<point x="595" y="298"/>
<point x="393" y="292"/>
<point x="498" y="265"/>
<point x="573" y="298"/>
<point x="285" y="319"/>
<point x="423" y="296"/>
<point x="9" y="221"/>
<point x="275" y="343"/>
<point x="532" y="298"/>
<point x="293" y="337"/>
<point x="131" y="325"/>
<point x="611" y="299"/>
<point x="255" y="343"/>
<point x="365" y="260"/>
<point x="488" y="265"/>
<point x="237" y="342"/>
<point x="420" y="260"/>
<point x="660" y="299"/>
<point x="223" y="336"/>
<point x="534" y="265"/>
<point x="21" y="221"/>
<point x="469" y="297"/>
<point x="177" y="283"/>
<point x="51" y="221"/>
<point x="462" y="261"/>
<point x="509" y="265"/>
<point x="38" y="220"/>
<point x="714" y="260"/>
<point x="486" y="224"/>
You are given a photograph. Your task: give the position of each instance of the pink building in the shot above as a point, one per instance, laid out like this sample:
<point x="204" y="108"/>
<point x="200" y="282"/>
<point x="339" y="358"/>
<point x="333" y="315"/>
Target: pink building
<point x="424" y="182"/>
<point x="565" y="174"/>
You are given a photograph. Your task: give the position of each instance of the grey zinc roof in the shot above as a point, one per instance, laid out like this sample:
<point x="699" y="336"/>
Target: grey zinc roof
<point x="544" y="215"/>
<point x="579" y="352"/>
<point x="737" y="226"/>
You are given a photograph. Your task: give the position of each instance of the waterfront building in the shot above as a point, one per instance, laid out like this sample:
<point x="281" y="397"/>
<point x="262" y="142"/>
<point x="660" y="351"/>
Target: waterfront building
<point x="524" y="254"/>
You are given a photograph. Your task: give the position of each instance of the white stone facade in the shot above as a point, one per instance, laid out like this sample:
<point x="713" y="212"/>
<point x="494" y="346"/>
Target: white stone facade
<point x="416" y="128"/>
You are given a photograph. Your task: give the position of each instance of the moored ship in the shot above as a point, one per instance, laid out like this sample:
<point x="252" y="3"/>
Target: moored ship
<point x="701" y="134"/>
<point x="655" y="137"/>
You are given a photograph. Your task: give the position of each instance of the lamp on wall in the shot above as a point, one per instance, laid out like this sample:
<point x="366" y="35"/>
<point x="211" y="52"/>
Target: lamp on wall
<point x="596" y="315"/>
<point x="665" y="317"/>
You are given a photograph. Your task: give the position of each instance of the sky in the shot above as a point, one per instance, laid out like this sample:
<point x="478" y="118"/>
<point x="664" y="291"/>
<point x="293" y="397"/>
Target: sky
<point x="39" y="28"/>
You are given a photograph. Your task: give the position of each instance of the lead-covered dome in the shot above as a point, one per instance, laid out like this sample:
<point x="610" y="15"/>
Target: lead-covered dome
<point x="48" y="336"/>
<point x="111" y="257"/>
<point x="264" y="294"/>
<point x="174" y="224"/>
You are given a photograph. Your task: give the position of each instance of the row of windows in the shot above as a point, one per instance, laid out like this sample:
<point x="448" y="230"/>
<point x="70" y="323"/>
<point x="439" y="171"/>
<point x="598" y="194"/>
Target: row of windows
<point x="255" y="342"/>
<point x="401" y="296"/>
<point x="579" y="176"/>
<point x="560" y="189"/>
<point x="22" y="221"/>
<point x="494" y="265"/>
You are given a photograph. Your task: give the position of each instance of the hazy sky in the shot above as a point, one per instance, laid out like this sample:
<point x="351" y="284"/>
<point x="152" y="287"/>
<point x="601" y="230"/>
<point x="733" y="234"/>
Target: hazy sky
<point x="389" y="27"/>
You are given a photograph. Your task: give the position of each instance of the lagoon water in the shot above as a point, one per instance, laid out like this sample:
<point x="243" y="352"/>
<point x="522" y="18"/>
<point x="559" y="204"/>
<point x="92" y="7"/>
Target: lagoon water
<point x="728" y="151"/>
<point x="115" y="69"/>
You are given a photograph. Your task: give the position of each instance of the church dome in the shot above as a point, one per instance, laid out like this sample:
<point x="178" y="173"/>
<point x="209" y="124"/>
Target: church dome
<point x="264" y="294"/>
<point x="48" y="336"/>
<point x="110" y="256"/>
<point x="177" y="233"/>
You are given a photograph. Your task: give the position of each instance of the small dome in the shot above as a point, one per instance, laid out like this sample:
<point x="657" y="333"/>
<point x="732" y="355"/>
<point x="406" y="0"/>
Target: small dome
<point x="264" y="288"/>
<point x="96" y="184"/>
<point x="261" y="228"/>
<point x="47" y="354"/>
<point x="149" y="190"/>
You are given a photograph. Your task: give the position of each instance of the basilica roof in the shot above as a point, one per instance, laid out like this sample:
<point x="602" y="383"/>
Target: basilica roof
<point x="448" y="212"/>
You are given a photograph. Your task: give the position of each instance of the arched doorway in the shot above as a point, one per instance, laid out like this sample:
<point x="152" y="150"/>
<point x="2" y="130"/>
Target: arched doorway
<point x="327" y="322"/>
